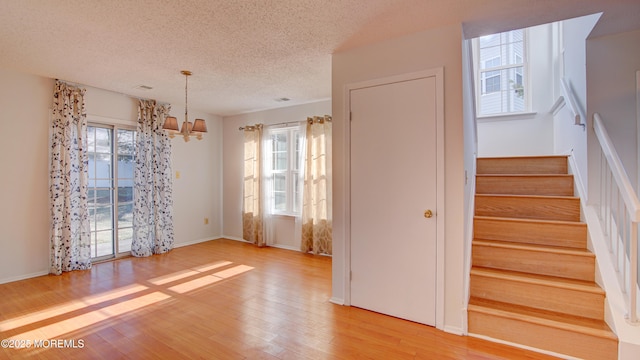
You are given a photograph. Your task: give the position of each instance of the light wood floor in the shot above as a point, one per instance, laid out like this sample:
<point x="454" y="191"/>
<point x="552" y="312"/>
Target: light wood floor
<point x="216" y="300"/>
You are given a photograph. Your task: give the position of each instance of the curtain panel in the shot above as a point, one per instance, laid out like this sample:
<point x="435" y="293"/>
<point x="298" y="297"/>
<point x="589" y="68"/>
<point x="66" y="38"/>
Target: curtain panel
<point x="252" y="205"/>
<point x="153" y="231"/>
<point x="317" y="220"/>
<point x="70" y="238"/>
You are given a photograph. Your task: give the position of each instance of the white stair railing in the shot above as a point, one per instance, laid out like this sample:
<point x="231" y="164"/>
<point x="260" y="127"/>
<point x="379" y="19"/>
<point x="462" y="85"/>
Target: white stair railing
<point x="619" y="216"/>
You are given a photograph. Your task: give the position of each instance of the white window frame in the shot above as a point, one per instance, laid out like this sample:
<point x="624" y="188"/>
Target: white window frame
<point x="480" y="76"/>
<point x="292" y="174"/>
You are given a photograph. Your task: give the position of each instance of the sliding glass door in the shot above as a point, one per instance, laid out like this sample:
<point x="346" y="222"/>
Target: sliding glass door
<point x="111" y="152"/>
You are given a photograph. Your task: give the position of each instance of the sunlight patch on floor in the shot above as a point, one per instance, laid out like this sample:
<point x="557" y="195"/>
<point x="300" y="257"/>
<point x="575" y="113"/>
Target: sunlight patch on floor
<point x="69" y="307"/>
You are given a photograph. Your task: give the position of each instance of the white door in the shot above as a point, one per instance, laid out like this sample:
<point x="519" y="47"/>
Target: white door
<point x="393" y="184"/>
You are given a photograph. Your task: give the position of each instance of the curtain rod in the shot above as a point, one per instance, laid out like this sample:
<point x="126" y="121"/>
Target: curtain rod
<point x="326" y="117"/>
<point x="84" y="86"/>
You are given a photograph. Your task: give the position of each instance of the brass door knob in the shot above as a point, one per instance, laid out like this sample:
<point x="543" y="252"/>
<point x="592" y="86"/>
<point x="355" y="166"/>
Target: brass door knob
<point x="428" y="214"/>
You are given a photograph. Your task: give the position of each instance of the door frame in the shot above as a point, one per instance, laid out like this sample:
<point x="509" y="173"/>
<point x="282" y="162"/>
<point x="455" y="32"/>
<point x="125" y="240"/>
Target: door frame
<point x="438" y="74"/>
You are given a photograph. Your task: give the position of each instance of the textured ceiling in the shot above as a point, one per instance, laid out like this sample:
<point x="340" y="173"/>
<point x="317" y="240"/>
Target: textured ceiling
<point x="244" y="54"/>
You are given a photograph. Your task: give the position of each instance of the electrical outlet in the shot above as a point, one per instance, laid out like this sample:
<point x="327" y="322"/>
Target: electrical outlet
<point x="206" y="221"/>
<point x="177" y="174"/>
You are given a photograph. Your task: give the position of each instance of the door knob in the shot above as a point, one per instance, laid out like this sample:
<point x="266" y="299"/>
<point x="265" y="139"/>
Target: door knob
<point x="428" y="214"/>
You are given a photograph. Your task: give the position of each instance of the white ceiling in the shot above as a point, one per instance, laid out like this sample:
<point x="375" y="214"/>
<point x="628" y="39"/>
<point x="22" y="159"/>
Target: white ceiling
<point x="244" y="54"/>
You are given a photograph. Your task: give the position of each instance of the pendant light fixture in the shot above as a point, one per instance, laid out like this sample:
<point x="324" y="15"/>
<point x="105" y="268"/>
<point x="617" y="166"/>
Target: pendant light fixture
<point x="197" y="128"/>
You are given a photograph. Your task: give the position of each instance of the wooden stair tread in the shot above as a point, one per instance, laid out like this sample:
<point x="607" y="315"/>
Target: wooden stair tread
<point x="533" y="247"/>
<point x="544" y="280"/>
<point x="530" y="196"/>
<point x="525" y="175"/>
<point x="552" y="164"/>
<point x="548" y="318"/>
<point x="531" y="221"/>
<point x="523" y="157"/>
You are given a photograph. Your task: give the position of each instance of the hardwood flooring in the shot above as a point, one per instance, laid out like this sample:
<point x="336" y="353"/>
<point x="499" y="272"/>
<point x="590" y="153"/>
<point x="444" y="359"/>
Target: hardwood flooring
<point x="220" y="299"/>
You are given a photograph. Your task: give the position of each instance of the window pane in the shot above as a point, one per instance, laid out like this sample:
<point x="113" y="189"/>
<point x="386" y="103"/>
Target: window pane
<point x="91" y="169"/>
<point x="506" y="96"/>
<point x="92" y="216"/>
<point x="91" y="139"/>
<point x="126" y="166"/>
<point x="126" y="142"/>
<point x="279" y="192"/>
<point x="513" y="53"/>
<point x="489" y="40"/>
<point x="104" y="218"/>
<point x="280" y="161"/>
<point x="125" y="194"/>
<point x="103" y="166"/>
<point x="297" y="159"/>
<point x="125" y="215"/>
<point x="104" y="243"/>
<point x="279" y="182"/>
<point x="296" y="192"/>
<point x="125" y="236"/>
<point x="103" y="196"/>
<point x="103" y="140"/>
<point x="515" y="98"/>
<point x="280" y="201"/>
<point x="491" y="81"/>
<point x="280" y="142"/>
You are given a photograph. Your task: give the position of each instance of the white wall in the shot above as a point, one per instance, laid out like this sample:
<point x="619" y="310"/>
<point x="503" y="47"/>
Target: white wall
<point x="530" y="134"/>
<point x="420" y="51"/>
<point x="569" y="138"/>
<point x="26" y="102"/>
<point x="233" y="166"/>
<point x="612" y="62"/>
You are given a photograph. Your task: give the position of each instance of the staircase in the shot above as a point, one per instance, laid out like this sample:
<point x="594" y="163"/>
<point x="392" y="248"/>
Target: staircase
<point x="532" y="277"/>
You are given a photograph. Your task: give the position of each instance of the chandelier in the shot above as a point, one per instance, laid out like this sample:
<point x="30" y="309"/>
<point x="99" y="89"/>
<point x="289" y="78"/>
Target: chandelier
<point x="188" y="129"/>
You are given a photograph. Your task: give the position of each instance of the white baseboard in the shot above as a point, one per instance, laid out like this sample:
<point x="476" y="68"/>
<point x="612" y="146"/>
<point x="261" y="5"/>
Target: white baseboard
<point x="233" y="238"/>
<point x="579" y="183"/>
<point x="23" y="277"/>
<point x="193" y="242"/>
<point x="456" y="330"/>
<point x="285" y="247"/>
<point x="337" y="301"/>
<point x="551" y="353"/>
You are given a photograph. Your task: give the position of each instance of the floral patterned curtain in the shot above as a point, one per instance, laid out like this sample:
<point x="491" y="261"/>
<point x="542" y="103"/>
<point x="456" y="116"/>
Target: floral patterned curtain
<point x="317" y="193"/>
<point x="252" y="205"/>
<point x="70" y="228"/>
<point x="152" y="194"/>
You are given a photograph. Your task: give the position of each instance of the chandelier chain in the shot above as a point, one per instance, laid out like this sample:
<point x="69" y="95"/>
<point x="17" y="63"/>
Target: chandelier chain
<point x="186" y="106"/>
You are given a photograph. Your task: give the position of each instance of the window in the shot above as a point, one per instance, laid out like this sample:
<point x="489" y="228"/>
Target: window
<point x="284" y="159"/>
<point x="501" y="73"/>
<point x="110" y="189"/>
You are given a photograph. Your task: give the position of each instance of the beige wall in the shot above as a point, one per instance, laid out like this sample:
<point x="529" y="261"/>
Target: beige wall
<point x="25" y="101"/>
<point x="441" y="47"/>
<point x="24" y="217"/>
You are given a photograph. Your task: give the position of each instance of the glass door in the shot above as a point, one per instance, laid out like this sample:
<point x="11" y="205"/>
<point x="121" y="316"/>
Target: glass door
<point x="110" y="189"/>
